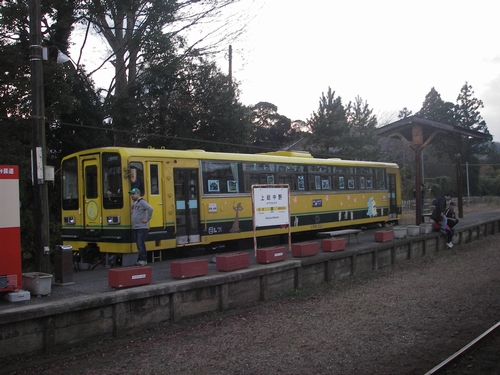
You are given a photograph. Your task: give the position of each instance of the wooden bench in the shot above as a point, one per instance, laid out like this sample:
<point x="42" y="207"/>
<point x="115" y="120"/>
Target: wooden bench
<point x="428" y="216"/>
<point x="342" y="232"/>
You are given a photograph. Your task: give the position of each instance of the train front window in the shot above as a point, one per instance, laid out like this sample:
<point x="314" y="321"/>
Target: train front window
<point x="70" y="184"/>
<point x="112" y="180"/>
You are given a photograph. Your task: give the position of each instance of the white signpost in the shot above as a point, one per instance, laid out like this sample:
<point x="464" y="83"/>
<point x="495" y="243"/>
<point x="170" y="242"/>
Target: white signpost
<point x="271" y="207"/>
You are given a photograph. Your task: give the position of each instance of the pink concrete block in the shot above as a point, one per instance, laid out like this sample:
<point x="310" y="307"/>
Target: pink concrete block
<point x="232" y="262"/>
<point x="333" y="244"/>
<point x="384" y="235"/>
<point x="305" y="249"/>
<point x="125" y="277"/>
<point x="271" y="254"/>
<point x="185" y="269"/>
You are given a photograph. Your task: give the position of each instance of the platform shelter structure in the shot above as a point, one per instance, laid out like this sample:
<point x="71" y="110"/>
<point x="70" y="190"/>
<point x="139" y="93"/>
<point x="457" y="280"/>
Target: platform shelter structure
<point x="417" y="133"/>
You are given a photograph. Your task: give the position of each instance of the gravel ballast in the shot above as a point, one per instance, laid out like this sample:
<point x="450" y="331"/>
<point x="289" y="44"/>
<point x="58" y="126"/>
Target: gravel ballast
<point x="401" y="320"/>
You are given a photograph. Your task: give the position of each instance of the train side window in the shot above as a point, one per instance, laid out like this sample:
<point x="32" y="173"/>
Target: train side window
<point x="286" y="179"/>
<point x="250" y="179"/>
<point x="314" y="182"/>
<point x="70" y="184"/>
<point x="220" y="177"/>
<point x="136" y="176"/>
<point x="380" y="179"/>
<point x="154" y="186"/>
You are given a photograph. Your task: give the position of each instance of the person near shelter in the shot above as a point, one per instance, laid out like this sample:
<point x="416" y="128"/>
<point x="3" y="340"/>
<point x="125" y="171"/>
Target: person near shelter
<point x="141" y="212"/>
<point x="438" y="214"/>
<point x="451" y="215"/>
<point x="422" y="196"/>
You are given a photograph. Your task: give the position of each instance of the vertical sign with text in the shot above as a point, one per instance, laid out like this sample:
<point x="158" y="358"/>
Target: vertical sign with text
<point x="271" y="205"/>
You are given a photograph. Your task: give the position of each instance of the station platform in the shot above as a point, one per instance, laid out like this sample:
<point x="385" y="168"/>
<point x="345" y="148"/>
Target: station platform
<point x="91" y="309"/>
<point x="89" y="282"/>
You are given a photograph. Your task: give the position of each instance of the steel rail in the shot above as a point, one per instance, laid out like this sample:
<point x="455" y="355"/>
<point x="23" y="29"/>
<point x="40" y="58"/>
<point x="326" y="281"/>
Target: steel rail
<point x="465" y="349"/>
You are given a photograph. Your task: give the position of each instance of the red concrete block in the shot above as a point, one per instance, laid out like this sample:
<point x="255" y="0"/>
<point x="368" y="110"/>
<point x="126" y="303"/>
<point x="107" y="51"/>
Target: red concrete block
<point x="186" y="269"/>
<point x="333" y="244"/>
<point x="232" y="262"/>
<point x="271" y="254"/>
<point x="305" y="249"/>
<point x="129" y="276"/>
<point x="384" y="235"/>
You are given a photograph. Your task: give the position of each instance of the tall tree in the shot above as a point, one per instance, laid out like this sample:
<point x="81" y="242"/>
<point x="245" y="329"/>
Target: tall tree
<point x="436" y="109"/>
<point x="270" y="129"/>
<point x="141" y="33"/>
<point x="467" y="115"/>
<point x="361" y="143"/>
<point x="193" y="108"/>
<point x="69" y="99"/>
<point x="328" y="126"/>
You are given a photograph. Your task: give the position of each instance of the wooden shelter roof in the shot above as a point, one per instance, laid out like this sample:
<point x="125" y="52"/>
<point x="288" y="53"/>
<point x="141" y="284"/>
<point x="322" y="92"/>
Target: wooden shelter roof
<point x="440" y="130"/>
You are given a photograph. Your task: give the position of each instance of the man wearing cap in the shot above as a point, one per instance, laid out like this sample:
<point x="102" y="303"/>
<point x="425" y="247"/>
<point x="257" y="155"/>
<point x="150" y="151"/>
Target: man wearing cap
<point x="141" y="212"/>
<point x="451" y="216"/>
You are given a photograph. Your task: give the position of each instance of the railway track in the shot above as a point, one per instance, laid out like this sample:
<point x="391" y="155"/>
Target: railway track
<point x="480" y="356"/>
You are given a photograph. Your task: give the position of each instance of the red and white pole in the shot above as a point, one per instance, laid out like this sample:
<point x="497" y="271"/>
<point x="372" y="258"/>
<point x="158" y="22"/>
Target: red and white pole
<point x="10" y="231"/>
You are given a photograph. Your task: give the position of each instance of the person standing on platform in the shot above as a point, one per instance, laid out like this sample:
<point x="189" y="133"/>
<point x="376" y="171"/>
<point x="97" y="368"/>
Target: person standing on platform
<point x="141" y="212"/>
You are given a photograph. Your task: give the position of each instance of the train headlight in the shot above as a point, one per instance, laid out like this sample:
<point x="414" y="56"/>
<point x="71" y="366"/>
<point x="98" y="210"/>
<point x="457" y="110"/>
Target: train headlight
<point x="69" y="220"/>
<point x="113" y="220"/>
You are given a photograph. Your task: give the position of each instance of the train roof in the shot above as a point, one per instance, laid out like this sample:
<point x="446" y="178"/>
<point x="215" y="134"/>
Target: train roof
<point x="298" y="157"/>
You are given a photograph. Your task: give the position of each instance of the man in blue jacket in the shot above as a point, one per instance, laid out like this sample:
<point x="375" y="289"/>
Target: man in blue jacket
<point x="141" y="212"/>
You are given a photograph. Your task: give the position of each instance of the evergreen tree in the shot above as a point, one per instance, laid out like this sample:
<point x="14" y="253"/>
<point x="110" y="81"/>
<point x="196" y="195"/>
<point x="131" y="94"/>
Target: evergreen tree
<point x="465" y="113"/>
<point x="435" y="109"/>
<point x="270" y="129"/>
<point x="361" y="143"/>
<point x="404" y="113"/>
<point x="328" y="126"/>
<point x="69" y="99"/>
<point x="194" y="107"/>
<point x="467" y="116"/>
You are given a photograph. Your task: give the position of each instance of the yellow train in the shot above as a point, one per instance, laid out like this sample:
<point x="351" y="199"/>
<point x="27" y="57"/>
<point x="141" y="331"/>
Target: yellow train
<point x="204" y="198"/>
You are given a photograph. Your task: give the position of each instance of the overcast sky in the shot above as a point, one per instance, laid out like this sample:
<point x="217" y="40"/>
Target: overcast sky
<point x="390" y="53"/>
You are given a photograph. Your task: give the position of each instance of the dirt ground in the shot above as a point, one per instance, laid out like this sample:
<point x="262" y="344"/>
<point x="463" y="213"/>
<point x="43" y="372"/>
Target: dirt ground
<point x="402" y="320"/>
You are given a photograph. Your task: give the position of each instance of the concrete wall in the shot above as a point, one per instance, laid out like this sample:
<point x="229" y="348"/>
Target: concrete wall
<point x="43" y="327"/>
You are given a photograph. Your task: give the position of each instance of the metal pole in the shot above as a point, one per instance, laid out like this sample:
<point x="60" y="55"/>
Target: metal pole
<point x="467" y="172"/>
<point x="39" y="156"/>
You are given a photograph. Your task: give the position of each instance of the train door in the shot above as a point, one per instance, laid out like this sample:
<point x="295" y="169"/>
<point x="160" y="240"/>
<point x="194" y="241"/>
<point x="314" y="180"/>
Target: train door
<point x="154" y="198"/>
<point x="187" y="214"/>
<point x="92" y="218"/>
<point x="393" y="203"/>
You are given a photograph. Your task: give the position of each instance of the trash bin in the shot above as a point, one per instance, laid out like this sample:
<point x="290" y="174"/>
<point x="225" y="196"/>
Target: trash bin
<point x="64" y="265"/>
